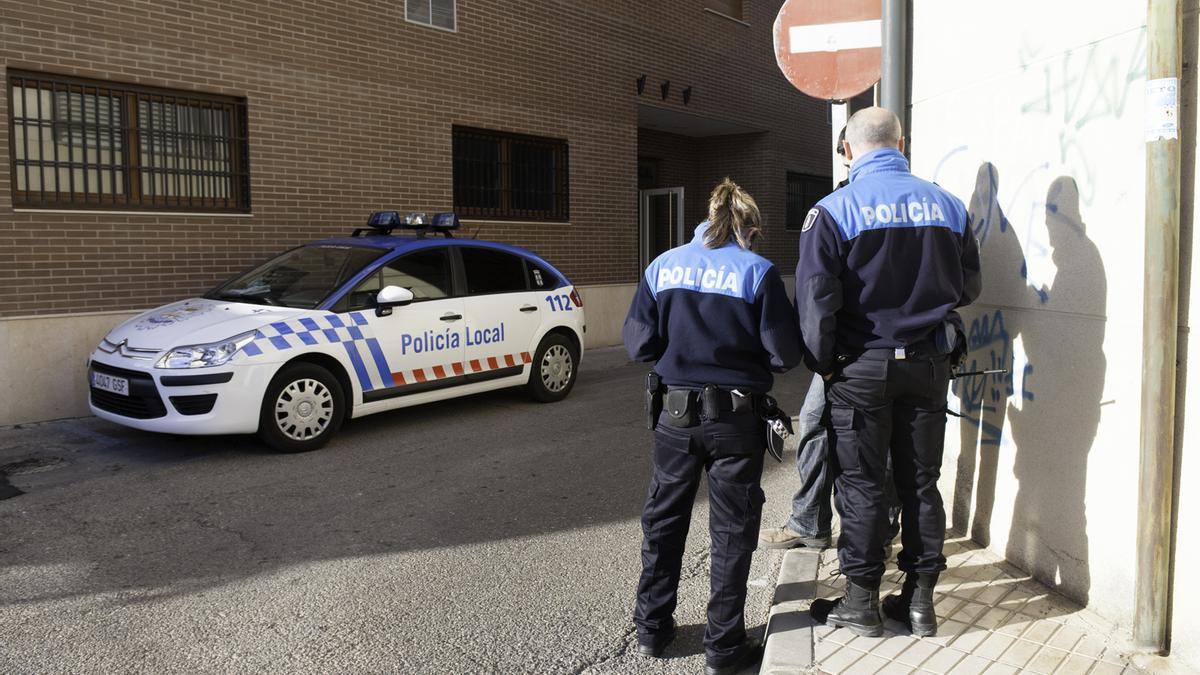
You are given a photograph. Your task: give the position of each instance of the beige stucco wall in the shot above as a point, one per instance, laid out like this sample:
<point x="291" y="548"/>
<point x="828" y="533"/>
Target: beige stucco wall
<point x="606" y="307"/>
<point x="43" y="363"/>
<point x="1032" y="113"/>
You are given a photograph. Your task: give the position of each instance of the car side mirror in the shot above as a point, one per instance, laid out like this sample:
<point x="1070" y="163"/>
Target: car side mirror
<point x="389" y="297"/>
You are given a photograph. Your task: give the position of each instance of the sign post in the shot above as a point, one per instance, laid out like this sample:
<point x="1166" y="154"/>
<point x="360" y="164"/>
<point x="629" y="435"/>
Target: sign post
<point x="839" y="112"/>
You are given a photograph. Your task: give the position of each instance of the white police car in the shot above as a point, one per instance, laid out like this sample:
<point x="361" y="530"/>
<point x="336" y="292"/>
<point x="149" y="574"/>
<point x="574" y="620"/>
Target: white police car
<point x="344" y="328"/>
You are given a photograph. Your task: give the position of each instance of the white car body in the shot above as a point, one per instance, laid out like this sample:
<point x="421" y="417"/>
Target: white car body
<point x="403" y="356"/>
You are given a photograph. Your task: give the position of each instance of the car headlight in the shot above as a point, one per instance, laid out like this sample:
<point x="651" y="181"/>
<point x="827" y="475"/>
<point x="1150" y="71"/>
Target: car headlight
<point x="205" y="356"/>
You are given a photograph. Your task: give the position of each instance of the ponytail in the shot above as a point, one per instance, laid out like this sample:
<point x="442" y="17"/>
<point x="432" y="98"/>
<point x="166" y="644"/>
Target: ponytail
<point x="732" y="216"/>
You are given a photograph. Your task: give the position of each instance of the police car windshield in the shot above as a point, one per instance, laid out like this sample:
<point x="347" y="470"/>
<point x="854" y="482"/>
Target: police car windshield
<point x="301" y="278"/>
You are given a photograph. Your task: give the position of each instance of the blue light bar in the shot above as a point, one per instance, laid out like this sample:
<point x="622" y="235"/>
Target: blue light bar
<point x="385" y="219"/>
<point x="445" y="221"/>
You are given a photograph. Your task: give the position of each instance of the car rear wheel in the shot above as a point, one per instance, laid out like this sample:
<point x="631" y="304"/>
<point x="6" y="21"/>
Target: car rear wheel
<point x="303" y="407"/>
<point x="555" y="368"/>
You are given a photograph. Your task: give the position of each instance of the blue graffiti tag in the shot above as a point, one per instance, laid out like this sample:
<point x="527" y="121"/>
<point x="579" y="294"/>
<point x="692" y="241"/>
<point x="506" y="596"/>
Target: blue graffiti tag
<point x="989" y="347"/>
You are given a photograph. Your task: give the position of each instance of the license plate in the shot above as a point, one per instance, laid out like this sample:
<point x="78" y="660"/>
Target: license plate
<point x="117" y="385"/>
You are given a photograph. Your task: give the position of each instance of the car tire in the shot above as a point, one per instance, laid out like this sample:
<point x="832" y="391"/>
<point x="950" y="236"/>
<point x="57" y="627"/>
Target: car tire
<point x="554" y="369"/>
<point x="302" y="409"/>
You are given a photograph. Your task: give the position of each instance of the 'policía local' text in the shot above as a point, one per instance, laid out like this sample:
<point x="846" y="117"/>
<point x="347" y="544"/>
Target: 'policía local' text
<point x="434" y="341"/>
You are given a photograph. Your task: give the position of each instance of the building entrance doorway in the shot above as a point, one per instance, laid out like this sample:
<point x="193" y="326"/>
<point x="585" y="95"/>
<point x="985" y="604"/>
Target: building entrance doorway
<point x="661" y="226"/>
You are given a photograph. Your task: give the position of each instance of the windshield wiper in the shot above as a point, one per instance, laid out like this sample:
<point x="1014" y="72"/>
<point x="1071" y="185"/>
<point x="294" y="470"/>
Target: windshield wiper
<point x="259" y="297"/>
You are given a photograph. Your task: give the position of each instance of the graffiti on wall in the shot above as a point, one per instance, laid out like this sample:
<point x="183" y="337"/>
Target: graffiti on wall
<point x="982" y="397"/>
<point x="1070" y="97"/>
<point x="1085" y="86"/>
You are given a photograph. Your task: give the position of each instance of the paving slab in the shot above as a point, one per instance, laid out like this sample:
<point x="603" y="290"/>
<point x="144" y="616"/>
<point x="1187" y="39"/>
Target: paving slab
<point x="993" y="619"/>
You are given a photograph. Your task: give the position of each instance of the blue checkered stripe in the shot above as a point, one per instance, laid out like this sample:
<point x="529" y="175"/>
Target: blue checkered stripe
<point x="329" y="329"/>
<point x="351" y="331"/>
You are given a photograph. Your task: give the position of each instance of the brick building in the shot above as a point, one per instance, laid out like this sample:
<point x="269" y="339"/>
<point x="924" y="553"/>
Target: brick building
<point x="154" y="148"/>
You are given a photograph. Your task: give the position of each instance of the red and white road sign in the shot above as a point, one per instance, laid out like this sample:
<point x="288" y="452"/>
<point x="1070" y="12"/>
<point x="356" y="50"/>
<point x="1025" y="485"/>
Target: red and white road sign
<point x="830" y="50"/>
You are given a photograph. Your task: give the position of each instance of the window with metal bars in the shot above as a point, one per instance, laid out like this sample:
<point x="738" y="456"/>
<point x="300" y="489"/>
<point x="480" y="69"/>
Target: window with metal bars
<point x="435" y="13"/>
<point x="509" y="176"/>
<point x="803" y="192"/>
<point x="88" y="144"/>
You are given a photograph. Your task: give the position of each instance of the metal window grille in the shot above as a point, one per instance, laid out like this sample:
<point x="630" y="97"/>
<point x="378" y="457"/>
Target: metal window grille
<point x="803" y="193"/>
<point x="436" y="13"/>
<point x="509" y="176"/>
<point x="87" y="144"/>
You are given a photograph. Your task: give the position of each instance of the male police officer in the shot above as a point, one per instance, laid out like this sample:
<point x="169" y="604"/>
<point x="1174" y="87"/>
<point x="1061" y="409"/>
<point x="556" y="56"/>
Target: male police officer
<point x="716" y="318"/>
<point x="811" y="519"/>
<point x="884" y="262"/>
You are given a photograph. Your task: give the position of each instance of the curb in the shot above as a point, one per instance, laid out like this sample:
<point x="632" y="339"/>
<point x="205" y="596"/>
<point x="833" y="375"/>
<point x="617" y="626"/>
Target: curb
<point x="789" y="641"/>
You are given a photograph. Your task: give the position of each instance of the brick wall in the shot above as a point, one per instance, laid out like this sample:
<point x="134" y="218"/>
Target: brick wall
<point x="351" y="108"/>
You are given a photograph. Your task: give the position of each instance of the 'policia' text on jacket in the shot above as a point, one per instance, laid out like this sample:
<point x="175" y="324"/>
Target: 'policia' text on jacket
<point x="727" y="313"/>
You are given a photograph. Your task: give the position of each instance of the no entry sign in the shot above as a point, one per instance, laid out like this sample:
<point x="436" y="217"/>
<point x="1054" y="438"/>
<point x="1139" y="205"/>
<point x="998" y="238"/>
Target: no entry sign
<point x="830" y="50"/>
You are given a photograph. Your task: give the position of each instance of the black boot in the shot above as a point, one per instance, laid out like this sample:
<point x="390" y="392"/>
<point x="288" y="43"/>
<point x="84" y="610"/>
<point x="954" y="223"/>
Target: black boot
<point x="913" y="607"/>
<point x="857" y="610"/>
<point x="747" y="655"/>
<point x="653" y="644"/>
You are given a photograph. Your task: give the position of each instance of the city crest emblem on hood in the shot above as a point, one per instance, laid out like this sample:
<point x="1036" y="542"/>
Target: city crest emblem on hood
<point x="173" y="315"/>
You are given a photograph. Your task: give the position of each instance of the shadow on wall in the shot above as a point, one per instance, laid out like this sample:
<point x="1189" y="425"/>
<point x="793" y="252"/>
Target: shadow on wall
<point x="1050" y="397"/>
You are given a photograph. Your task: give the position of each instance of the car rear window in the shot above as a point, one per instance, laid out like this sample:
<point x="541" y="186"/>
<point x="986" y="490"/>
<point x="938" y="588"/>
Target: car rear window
<point x="492" y="271"/>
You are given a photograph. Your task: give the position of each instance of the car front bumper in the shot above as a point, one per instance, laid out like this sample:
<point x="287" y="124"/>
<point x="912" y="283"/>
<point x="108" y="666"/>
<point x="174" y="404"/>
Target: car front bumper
<point x="190" y="402"/>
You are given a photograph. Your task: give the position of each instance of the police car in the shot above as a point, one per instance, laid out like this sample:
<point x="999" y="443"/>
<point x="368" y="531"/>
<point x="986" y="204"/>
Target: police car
<point x="343" y="328"/>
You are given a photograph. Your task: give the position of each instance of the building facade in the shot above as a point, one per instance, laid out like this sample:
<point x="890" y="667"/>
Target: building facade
<point x="154" y="149"/>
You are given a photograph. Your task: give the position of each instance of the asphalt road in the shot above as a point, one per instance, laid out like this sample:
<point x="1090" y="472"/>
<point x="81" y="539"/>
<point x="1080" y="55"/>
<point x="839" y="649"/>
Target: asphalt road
<point x="488" y="534"/>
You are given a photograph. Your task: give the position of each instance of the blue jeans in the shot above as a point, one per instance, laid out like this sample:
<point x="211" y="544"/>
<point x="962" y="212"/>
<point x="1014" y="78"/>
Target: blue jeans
<point x="812" y="510"/>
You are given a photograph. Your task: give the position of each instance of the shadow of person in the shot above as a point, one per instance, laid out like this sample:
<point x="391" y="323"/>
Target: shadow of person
<point x="689" y="641"/>
<point x="1059" y="413"/>
<point x="990" y="338"/>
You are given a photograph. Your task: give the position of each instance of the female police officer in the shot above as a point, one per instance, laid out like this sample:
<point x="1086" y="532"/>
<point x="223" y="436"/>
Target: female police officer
<point x="717" y="320"/>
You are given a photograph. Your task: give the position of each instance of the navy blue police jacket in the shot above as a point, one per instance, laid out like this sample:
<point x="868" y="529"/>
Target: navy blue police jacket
<point x="883" y="262"/>
<point x="713" y="316"/>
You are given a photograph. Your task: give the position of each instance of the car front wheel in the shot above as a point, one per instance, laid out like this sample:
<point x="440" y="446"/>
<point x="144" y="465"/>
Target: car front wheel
<point x="555" y="368"/>
<point x="303" y="407"/>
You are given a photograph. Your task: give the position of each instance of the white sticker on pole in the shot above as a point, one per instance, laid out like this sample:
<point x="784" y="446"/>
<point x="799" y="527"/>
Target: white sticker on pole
<point x="1162" y="109"/>
<point x="835" y="37"/>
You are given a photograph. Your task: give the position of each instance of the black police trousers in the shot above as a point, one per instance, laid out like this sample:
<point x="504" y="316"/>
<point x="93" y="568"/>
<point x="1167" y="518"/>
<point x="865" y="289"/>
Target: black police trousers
<point x="876" y="403"/>
<point x="731" y="451"/>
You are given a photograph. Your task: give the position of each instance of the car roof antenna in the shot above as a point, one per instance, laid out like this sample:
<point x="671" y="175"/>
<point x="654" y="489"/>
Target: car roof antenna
<point x="475" y="235"/>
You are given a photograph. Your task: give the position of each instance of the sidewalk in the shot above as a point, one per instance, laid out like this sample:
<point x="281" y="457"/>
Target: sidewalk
<point x="992" y="619"/>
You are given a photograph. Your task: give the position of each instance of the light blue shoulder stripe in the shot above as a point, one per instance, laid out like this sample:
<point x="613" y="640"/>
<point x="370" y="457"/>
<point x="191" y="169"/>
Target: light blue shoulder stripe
<point x="729" y="271"/>
<point x="893" y="200"/>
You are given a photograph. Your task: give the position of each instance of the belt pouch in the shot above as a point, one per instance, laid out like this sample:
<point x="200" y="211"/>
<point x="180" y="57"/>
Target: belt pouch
<point x="654" y="399"/>
<point x="654" y="406"/>
<point x="743" y="404"/>
<point x="710" y="408"/>
<point x="681" y="408"/>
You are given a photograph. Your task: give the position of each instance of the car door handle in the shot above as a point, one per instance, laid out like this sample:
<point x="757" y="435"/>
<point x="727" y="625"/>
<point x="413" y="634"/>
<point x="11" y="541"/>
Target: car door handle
<point x="528" y="308"/>
<point x="451" y="317"/>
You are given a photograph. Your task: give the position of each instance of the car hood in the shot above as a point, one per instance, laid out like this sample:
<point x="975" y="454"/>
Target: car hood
<point x="197" y="321"/>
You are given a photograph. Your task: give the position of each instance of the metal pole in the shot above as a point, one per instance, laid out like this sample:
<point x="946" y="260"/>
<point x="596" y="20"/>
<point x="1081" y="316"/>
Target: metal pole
<point x="1159" y="330"/>
<point x="838" y="111"/>
<point x="892" y="84"/>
